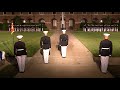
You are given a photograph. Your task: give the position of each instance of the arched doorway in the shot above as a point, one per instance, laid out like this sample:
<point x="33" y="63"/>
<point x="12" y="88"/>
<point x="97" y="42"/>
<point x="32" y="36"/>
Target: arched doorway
<point x="83" y="22"/>
<point x="54" y="23"/>
<point x="42" y="23"/>
<point x="63" y="24"/>
<point x="71" y="23"/>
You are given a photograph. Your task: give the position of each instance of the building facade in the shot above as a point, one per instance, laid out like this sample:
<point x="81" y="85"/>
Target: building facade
<point x="53" y="19"/>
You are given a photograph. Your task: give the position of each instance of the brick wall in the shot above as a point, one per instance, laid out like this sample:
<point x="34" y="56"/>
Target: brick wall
<point x="48" y="16"/>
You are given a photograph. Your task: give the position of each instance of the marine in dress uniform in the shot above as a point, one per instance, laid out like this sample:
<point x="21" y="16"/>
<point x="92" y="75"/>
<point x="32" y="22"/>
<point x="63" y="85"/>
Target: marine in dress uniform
<point x="20" y="53"/>
<point x="63" y="43"/>
<point x="105" y="50"/>
<point x="2" y="55"/>
<point x="45" y="44"/>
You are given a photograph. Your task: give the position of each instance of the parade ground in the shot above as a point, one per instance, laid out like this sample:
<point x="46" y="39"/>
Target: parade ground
<point x="85" y="32"/>
<point x="79" y="62"/>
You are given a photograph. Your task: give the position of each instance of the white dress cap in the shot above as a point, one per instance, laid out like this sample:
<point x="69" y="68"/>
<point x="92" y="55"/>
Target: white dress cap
<point x="19" y="36"/>
<point x="45" y="32"/>
<point x="106" y="34"/>
<point x="64" y="30"/>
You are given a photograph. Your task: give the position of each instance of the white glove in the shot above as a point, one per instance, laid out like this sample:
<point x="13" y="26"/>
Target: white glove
<point x="99" y="55"/>
<point x="110" y="55"/>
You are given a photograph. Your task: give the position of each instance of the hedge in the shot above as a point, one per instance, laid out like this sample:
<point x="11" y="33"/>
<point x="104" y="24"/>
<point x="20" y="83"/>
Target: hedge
<point x="4" y="26"/>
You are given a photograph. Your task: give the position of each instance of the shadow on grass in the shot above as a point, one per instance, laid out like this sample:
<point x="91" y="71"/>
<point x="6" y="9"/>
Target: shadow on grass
<point x="113" y="69"/>
<point x="10" y="70"/>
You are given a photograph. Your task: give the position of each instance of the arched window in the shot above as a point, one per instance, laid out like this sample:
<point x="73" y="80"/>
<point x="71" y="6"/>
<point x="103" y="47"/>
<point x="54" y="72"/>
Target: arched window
<point x="29" y="20"/>
<point x="113" y="20"/>
<point x="95" y="20"/>
<point x="84" y="20"/>
<point x="41" y="20"/>
<point x="5" y="20"/>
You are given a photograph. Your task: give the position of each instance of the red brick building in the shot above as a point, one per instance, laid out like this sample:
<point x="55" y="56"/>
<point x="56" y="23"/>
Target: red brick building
<point x="53" y="19"/>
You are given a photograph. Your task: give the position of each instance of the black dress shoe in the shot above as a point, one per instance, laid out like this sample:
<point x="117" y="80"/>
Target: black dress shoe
<point x="63" y="57"/>
<point x="22" y="72"/>
<point x="104" y="72"/>
<point x="46" y="63"/>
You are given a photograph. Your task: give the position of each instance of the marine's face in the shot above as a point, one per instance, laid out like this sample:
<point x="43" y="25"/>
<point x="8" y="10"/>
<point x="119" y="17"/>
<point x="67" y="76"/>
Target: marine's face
<point x="19" y="39"/>
<point x="106" y="37"/>
<point x="45" y="34"/>
<point x="63" y="32"/>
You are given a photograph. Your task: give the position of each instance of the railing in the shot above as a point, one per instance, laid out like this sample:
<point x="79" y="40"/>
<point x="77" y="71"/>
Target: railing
<point x="29" y="28"/>
<point x="101" y="28"/>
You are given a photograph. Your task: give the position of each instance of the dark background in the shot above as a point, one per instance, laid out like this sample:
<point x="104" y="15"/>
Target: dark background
<point x="60" y="5"/>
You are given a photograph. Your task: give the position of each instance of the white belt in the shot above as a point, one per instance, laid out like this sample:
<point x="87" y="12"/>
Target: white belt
<point x="105" y="48"/>
<point x="20" y="49"/>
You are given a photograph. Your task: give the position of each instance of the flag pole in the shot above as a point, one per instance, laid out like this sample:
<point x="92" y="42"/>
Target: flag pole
<point x="62" y="20"/>
<point x="12" y="33"/>
<point x="13" y="39"/>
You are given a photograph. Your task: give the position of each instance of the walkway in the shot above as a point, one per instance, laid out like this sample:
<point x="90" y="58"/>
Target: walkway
<point x="78" y="63"/>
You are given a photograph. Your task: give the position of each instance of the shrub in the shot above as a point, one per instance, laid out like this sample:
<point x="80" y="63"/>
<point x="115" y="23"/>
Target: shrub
<point x="81" y="25"/>
<point x="5" y="26"/>
<point x="1" y="26"/>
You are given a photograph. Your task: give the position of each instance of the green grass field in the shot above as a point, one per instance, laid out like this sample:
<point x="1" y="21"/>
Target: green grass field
<point x="92" y="40"/>
<point x="31" y="39"/>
